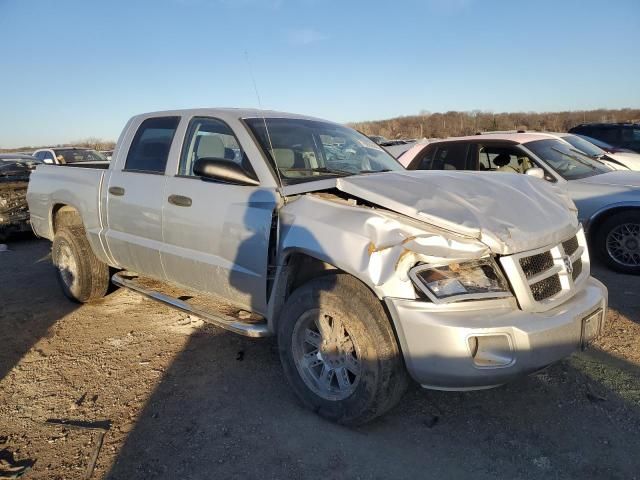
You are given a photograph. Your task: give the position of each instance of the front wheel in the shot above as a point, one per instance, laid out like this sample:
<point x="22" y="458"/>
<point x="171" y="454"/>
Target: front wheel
<point x="339" y="352"/>
<point x="618" y="242"/>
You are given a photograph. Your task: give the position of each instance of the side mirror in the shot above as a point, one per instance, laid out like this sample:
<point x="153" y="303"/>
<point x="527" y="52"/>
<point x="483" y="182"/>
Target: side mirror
<point x="223" y="170"/>
<point x="536" y="172"/>
<point x="48" y="160"/>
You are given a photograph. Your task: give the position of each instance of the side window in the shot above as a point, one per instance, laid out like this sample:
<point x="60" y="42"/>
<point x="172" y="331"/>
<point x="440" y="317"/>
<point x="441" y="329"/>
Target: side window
<point x="451" y="156"/>
<point x="503" y="159"/>
<point x="209" y="138"/>
<point x="424" y="159"/>
<point x="150" y="147"/>
<point x="47" y="156"/>
<point x="39" y="155"/>
<point x="607" y="134"/>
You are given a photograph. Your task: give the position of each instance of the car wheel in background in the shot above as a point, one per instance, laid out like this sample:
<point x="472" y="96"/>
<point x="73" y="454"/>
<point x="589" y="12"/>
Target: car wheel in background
<point x="618" y="242"/>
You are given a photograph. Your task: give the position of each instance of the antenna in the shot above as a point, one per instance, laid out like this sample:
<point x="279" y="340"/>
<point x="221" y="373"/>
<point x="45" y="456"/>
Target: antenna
<point x="266" y="127"/>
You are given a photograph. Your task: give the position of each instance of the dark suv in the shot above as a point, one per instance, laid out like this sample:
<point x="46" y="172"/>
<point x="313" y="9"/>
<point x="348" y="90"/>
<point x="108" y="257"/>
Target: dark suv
<point x="622" y="135"/>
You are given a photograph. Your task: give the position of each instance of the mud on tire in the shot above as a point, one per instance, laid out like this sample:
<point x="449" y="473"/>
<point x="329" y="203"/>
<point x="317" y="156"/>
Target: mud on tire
<point x="335" y="324"/>
<point x="82" y="276"/>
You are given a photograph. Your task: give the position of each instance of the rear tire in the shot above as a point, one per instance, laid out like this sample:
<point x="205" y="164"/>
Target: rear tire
<point x="82" y="276"/>
<point x="339" y="352"/>
<point x="617" y="242"/>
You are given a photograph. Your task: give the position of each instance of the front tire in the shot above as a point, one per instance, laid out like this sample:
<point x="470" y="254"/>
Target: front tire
<point x="339" y="352"/>
<point x="81" y="275"/>
<point x="618" y="242"/>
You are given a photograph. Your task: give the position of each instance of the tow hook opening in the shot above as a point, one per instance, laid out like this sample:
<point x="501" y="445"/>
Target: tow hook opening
<point x="491" y="351"/>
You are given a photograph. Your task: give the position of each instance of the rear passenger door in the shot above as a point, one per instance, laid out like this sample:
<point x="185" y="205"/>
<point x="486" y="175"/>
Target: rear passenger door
<point x="134" y="197"/>
<point x="216" y="235"/>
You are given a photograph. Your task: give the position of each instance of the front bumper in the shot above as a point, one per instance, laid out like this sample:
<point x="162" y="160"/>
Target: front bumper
<point x="438" y="341"/>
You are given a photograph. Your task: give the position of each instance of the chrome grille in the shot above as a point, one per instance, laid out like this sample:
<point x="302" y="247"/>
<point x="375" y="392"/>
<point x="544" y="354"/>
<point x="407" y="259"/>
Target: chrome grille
<point x="570" y="246"/>
<point x="544" y="278"/>
<point x="577" y="269"/>
<point x="546" y="288"/>
<point x="535" y="264"/>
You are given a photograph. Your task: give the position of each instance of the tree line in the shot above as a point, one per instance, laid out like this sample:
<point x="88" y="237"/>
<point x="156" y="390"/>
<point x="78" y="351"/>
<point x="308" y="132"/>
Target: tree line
<point x="448" y="124"/>
<point x="91" y="142"/>
<point x="453" y="123"/>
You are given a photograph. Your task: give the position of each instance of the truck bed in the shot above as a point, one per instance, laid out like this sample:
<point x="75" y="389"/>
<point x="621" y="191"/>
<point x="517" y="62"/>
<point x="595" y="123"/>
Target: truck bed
<point x="52" y="185"/>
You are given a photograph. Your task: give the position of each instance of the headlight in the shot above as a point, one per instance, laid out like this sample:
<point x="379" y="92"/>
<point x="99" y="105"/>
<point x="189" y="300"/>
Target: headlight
<point x="472" y="280"/>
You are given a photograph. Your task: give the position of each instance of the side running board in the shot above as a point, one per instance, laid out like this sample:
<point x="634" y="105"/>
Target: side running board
<point x="137" y="284"/>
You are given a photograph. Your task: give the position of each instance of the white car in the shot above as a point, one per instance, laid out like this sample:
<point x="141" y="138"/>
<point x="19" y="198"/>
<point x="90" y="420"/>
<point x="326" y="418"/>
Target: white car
<point x="67" y="155"/>
<point x="620" y="156"/>
<point x="608" y="201"/>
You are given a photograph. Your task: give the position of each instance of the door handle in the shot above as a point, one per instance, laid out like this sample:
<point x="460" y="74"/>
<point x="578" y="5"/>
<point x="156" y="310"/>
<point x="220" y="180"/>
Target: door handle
<point x="180" y="200"/>
<point x="117" y="191"/>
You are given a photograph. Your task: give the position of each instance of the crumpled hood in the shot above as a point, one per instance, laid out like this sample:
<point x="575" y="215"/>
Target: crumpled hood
<point x="615" y="179"/>
<point x="510" y="213"/>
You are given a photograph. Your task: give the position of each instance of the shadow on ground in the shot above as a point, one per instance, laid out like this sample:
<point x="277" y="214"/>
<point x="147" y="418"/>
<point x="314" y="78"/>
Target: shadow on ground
<point x="23" y="324"/>
<point x="223" y="410"/>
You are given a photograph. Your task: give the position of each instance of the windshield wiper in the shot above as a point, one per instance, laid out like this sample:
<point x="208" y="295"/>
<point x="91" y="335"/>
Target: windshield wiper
<point x="375" y="171"/>
<point x="573" y="157"/>
<point x="331" y="171"/>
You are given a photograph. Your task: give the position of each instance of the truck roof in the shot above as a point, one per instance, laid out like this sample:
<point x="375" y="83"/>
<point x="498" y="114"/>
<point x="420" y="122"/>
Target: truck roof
<point x="227" y="113"/>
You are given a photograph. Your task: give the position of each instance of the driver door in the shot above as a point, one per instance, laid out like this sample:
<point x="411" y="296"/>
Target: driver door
<point x="216" y="235"/>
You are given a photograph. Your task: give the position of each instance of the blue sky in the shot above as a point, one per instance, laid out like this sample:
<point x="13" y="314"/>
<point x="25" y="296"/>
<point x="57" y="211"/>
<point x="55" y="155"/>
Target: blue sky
<point x="70" y="69"/>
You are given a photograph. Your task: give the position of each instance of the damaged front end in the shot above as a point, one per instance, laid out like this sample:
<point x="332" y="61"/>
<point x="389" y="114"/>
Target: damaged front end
<point x="378" y="246"/>
<point x="14" y="211"/>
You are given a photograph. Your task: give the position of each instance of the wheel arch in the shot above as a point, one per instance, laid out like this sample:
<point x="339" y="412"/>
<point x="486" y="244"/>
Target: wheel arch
<point x="592" y="225"/>
<point x="62" y="215"/>
<point x="296" y="268"/>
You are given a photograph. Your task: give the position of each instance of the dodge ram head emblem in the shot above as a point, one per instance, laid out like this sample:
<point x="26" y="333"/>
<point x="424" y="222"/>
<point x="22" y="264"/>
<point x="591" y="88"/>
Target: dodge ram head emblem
<point x="567" y="264"/>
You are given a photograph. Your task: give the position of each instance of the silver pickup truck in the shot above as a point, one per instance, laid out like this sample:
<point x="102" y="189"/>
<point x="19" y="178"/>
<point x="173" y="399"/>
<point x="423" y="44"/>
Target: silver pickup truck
<point x="268" y="223"/>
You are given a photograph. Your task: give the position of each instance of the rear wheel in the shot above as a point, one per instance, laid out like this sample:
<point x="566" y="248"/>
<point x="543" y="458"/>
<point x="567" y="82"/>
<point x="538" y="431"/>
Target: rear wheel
<point x="618" y="242"/>
<point x="339" y="352"/>
<point x="82" y="276"/>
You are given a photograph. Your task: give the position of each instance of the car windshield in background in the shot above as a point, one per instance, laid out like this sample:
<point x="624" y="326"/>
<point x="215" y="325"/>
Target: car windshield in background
<point x="565" y="159"/>
<point x="305" y="150"/>
<point x="584" y="146"/>
<point x="72" y="155"/>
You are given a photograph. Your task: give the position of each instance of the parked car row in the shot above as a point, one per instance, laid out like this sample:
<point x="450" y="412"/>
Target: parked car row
<point x="268" y="223"/>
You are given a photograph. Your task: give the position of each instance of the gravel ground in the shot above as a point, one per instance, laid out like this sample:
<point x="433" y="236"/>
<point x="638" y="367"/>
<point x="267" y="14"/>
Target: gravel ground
<point x="186" y="400"/>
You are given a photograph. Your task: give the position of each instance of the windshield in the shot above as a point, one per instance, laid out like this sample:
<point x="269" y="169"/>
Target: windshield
<point x="565" y="159"/>
<point x="305" y="150"/>
<point x="584" y="146"/>
<point x="72" y="155"/>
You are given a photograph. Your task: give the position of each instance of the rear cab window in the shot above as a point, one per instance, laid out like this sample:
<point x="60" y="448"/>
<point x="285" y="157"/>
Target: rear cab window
<point x="150" y="147"/>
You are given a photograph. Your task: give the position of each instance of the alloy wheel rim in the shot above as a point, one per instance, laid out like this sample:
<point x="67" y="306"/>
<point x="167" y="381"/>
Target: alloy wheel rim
<point x="67" y="266"/>
<point x="325" y="355"/>
<point x="623" y="244"/>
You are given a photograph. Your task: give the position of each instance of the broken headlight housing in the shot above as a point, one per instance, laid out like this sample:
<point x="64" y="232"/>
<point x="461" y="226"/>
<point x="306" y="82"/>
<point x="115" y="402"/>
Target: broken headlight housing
<point x="468" y="280"/>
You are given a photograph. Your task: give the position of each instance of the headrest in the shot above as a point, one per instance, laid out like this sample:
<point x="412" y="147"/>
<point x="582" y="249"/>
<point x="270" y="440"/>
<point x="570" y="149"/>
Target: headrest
<point x="502" y="160"/>
<point x="210" y="146"/>
<point x="284" y="157"/>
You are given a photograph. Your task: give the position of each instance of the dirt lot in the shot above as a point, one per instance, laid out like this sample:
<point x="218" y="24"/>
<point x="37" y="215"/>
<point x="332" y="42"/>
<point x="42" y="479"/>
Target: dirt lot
<point x="185" y="400"/>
